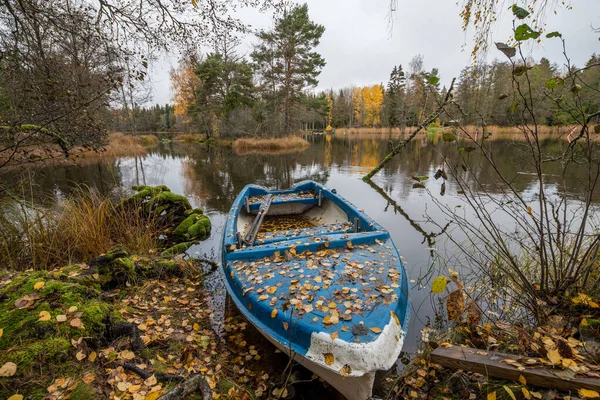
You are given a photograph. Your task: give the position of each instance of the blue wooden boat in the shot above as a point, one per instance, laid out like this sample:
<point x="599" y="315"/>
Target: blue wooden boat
<point x="333" y="293"/>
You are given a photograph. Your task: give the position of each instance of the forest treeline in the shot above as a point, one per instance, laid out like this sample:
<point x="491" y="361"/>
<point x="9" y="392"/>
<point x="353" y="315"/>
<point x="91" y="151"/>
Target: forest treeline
<point x="482" y="95"/>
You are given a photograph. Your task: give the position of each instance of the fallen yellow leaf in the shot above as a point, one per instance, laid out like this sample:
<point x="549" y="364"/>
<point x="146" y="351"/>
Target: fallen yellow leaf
<point x="16" y="397"/>
<point x="154" y="395"/>
<point x="38" y="285"/>
<point x="393" y="314"/>
<point x="8" y="369"/>
<point x="375" y="329"/>
<point x="92" y="356"/>
<point x="491" y="396"/>
<point x="76" y="323"/>
<point x="329" y="359"/>
<point x="522" y="380"/>
<point x="44" y="316"/>
<point x="274" y="313"/>
<point x="334" y="335"/>
<point x="88" y="378"/>
<point x="554" y="357"/>
<point x="346" y="370"/>
<point x="151" y="381"/>
<point x="588" y="394"/>
<point x="80" y="355"/>
<point x="61" y="318"/>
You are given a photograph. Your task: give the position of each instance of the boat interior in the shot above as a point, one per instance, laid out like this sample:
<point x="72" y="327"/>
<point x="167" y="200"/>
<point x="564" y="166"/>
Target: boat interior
<point x="285" y="219"/>
<point x="275" y="217"/>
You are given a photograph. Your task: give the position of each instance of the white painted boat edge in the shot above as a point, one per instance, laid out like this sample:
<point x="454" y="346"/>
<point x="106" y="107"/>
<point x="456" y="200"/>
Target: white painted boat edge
<point x="362" y="358"/>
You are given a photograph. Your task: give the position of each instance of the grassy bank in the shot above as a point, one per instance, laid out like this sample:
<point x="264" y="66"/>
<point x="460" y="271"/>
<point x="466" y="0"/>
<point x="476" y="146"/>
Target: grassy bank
<point x="117" y="145"/>
<point x="280" y="145"/>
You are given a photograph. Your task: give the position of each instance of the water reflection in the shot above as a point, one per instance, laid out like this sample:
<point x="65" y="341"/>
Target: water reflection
<point x="211" y="177"/>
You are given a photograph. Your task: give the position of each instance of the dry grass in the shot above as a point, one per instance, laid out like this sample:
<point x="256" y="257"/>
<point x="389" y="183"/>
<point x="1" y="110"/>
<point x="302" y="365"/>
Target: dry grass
<point x="79" y="228"/>
<point x="189" y="137"/>
<point x="498" y="132"/>
<point x="372" y="131"/>
<point x="120" y="145"/>
<point x="284" y="144"/>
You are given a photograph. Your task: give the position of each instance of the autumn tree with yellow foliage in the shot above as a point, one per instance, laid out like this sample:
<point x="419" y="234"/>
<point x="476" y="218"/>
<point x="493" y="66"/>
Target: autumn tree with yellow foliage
<point x="184" y="84"/>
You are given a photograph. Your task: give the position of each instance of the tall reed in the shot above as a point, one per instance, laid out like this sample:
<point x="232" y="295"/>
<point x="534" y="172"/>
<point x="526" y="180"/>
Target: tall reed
<point x="80" y="227"/>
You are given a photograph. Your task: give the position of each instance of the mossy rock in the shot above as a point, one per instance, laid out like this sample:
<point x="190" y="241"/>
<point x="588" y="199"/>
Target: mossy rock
<point x="195" y="226"/>
<point x="177" y="249"/>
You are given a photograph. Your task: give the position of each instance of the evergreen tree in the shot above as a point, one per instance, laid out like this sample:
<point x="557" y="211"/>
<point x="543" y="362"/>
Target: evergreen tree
<point x="226" y="84"/>
<point x="286" y="61"/>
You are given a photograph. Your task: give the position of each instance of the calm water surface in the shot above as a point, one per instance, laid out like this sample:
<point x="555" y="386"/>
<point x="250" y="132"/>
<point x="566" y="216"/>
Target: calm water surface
<point x="211" y="177"/>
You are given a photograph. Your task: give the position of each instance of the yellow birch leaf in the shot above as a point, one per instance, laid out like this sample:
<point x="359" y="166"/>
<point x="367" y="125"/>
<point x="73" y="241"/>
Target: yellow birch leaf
<point x="39" y="285"/>
<point x="522" y="380"/>
<point x="510" y="392"/>
<point x="80" y="355"/>
<point x="329" y="359"/>
<point x="263" y="297"/>
<point x="438" y="285"/>
<point x="334" y="335"/>
<point x="491" y="396"/>
<point x="92" y="356"/>
<point x="588" y="394"/>
<point x="393" y="314"/>
<point x="375" y="329"/>
<point x="61" y="318"/>
<point x="134" y="388"/>
<point x="151" y="381"/>
<point x="346" y="370"/>
<point x="16" y="397"/>
<point x="1" y="332"/>
<point x="554" y="357"/>
<point x="88" y="378"/>
<point x="76" y="323"/>
<point x="526" y="393"/>
<point x="274" y="313"/>
<point x="8" y="369"/>
<point x="44" y="316"/>
<point x="152" y="395"/>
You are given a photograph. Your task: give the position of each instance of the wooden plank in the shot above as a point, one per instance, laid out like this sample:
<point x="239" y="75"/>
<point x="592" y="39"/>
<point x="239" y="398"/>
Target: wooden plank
<point x="490" y="364"/>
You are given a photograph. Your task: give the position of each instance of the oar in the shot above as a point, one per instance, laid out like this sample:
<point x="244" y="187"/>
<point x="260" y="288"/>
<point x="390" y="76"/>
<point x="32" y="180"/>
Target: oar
<point x="262" y="211"/>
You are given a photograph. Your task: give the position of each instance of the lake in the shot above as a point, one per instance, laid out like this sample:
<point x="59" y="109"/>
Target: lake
<point x="211" y="177"/>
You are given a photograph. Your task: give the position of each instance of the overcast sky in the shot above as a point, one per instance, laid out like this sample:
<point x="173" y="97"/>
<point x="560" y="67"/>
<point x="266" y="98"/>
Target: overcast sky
<point x="361" y="49"/>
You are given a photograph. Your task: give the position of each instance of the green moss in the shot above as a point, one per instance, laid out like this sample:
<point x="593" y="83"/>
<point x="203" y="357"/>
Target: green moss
<point x="49" y="351"/>
<point x="194" y="211"/>
<point x="201" y="229"/>
<point x="172" y="198"/>
<point x="177" y="249"/>
<point x="181" y="232"/>
<point x="195" y="226"/>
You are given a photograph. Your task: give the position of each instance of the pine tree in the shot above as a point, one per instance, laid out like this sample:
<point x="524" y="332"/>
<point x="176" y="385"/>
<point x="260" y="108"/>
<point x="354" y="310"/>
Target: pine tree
<point x="286" y="61"/>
